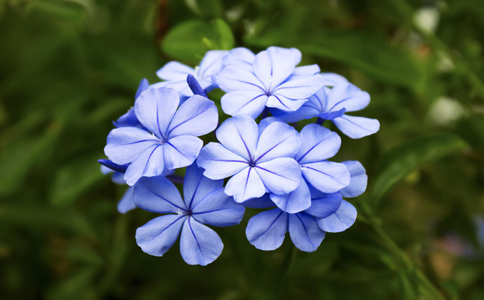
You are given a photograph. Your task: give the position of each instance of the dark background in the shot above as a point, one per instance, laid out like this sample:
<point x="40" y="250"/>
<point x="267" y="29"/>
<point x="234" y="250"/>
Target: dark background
<point x="68" y="68"/>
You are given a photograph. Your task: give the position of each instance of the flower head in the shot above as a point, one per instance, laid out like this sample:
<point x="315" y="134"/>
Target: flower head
<point x="204" y="203"/>
<point x="258" y="158"/>
<point x="175" y="74"/>
<point x="332" y="104"/>
<point x="271" y="80"/>
<point x="169" y="139"/>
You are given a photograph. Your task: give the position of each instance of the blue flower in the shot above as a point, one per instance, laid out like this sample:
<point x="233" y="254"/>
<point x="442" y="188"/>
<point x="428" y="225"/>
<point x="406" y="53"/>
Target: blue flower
<point x="332" y="104"/>
<point x="129" y="119"/>
<point x="307" y="229"/>
<point x="259" y="158"/>
<point x="175" y="74"/>
<point x="317" y="145"/>
<point x="127" y="201"/>
<point x="170" y="139"/>
<point x="204" y="203"/>
<point x="273" y="81"/>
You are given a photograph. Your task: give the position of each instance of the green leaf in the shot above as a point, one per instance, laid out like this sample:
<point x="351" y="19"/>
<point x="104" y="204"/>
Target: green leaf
<point x="408" y="157"/>
<point x="74" y="179"/>
<point x="21" y="156"/>
<point x="190" y="40"/>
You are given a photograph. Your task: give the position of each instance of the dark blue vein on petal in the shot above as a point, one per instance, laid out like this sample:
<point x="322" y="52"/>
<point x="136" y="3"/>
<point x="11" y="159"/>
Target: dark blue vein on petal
<point x="316" y="170"/>
<point x="167" y="227"/>
<point x="274" y="173"/>
<point x="250" y="101"/>
<point x="195" y="237"/>
<point x="271" y="149"/>
<point x="182" y="208"/>
<point x="305" y="230"/>
<point x="187" y="120"/>
<point x="272" y="224"/>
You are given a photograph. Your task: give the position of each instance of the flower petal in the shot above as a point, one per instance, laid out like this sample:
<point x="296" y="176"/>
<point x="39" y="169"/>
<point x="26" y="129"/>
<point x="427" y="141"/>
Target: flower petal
<point x="232" y="79"/>
<point x="174" y="71"/>
<point x="277" y="140"/>
<point x="283" y="103"/>
<point x="181" y="151"/>
<point x="347" y="96"/>
<point x="306" y="70"/>
<point x="332" y="79"/>
<point x="196" y="116"/>
<point x="149" y="163"/>
<point x="357" y="127"/>
<point x="341" y="220"/>
<point x="326" y="176"/>
<point x="143" y="86"/>
<point x="218" y="209"/>
<point x="241" y="57"/>
<point x="199" y="245"/>
<point x="280" y="175"/>
<point x="300" y="87"/>
<point x="127" y="202"/>
<point x="128" y="120"/>
<point x="250" y="103"/>
<point x="158" y="195"/>
<point x="155" y="108"/>
<point x="125" y="144"/>
<point x="211" y="63"/>
<point x="219" y="162"/>
<point x="325" y="205"/>
<point x="358" y="182"/>
<point x="262" y="202"/>
<point x="275" y="65"/>
<point x="294" y="202"/>
<point x="304" y="232"/>
<point x="181" y="86"/>
<point x="239" y="134"/>
<point x="245" y="185"/>
<point x="158" y="235"/>
<point x="266" y="230"/>
<point x="266" y="122"/>
<point x="196" y="186"/>
<point x="317" y="143"/>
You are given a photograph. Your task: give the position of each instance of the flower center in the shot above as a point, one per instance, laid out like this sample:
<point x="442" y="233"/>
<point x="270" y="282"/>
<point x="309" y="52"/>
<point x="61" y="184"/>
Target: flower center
<point x="251" y="164"/>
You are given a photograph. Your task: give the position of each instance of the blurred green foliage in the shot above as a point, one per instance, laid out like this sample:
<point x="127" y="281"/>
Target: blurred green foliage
<point x="69" y="67"/>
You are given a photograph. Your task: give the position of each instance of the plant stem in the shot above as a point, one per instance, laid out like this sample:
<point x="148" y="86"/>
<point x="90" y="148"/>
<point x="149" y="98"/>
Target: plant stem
<point x="398" y="253"/>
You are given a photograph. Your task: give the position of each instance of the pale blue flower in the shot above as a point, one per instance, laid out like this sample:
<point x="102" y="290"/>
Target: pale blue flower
<point x="204" y="203"/>
<point x="271" y="80"/>
<point x="258" y="158"/>
<point x="170" y="139"/>
<point x="332" y="104"/>
<point x="175" y="74"/>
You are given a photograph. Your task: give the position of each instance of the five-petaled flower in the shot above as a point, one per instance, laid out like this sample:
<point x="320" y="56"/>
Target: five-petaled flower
<point x="175" y="74"/>
<point x="170" y="139"/>
<point x="204" y="203"/>
<point x="272" y="80"/>
<point x="332" y="104"/>
<point x="260" y="158"/>
<point x="317" y="145"/>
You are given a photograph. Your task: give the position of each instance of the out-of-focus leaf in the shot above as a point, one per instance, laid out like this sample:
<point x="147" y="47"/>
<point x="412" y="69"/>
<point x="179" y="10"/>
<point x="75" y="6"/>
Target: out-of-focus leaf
<point x="21" y="156"/>
<point x="74" y="179"/>
<point x="408" y="157"/>
<point x="190" y="40"/>
<point x="39" y="217"/>
<point x="77" y="286"/>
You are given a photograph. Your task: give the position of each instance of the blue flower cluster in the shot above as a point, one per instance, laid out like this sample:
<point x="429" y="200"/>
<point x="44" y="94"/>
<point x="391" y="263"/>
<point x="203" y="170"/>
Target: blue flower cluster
<point x="266" y="161"/>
